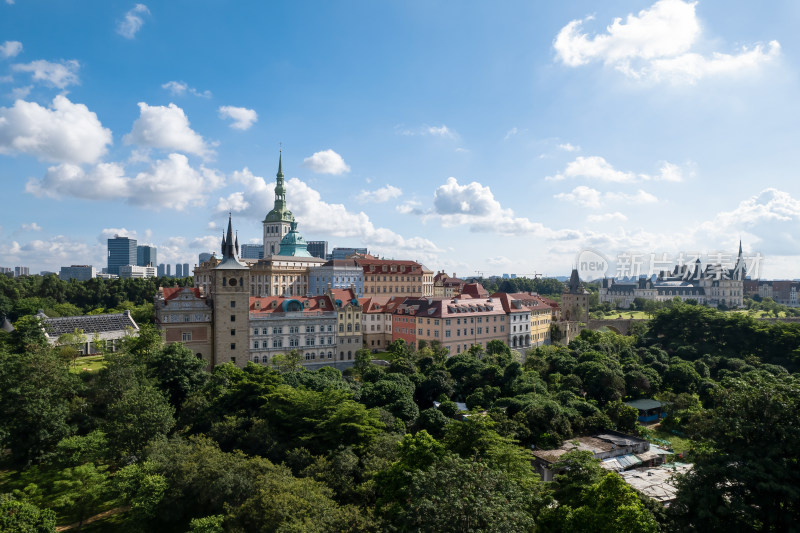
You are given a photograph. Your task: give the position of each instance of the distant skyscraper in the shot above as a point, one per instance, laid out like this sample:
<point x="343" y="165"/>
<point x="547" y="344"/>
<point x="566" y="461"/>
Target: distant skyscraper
<point x="202" y="258"/>
<point x="146" y="255"/>
<point x="178" y="270"/>
<point x="344" y="253"/>
<point x="169" y="271"/>
<point x="252" y="251"/>
<point x="162" y="270"/>
<point x="318" y="248"/>
<point x="21" y="271"/>
<point x="121" y="251"/>
<point x="77" y="272"/>
<point x="186" y="271"/>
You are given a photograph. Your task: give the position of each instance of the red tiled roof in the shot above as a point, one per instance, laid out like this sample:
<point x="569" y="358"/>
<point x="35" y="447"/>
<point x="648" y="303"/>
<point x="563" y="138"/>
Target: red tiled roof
<point x="260" y="305"/>
<point x="475" y="290"/>
<point x="172" y="292"/>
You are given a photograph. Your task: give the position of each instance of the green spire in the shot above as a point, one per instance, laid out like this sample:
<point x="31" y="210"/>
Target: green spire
<point x="279" y="212"/>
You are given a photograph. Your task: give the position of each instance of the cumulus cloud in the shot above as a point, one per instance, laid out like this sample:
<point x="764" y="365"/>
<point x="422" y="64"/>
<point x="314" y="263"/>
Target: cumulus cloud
<point x="411" y="207"/>
<point x="130" y="25"/>
<point x="317" y="217"/>
<point x="242" y="117"/>
<point x="769" y="219"/>
<point x="592" y="198"/>
<point x="105" y="181"/>
<point x="59" y="74"/>
<point x="166" y="128"/>
<point x="597" y="168"/>
<point x="170" y="182"/>
<point x="434" y="131"/>
<point x="326" y="162"/>
<point x="605" y="217"/>
<point x="66" y="132"/>
<point x="656" y="44"/>
<point x="10" y="49"/>
<point x="474" y="205"/>
<point x="33" y="226"/>
<point x="49" y="253"/>
<point x="179" y="88"/>
<point x="384" y="194"/>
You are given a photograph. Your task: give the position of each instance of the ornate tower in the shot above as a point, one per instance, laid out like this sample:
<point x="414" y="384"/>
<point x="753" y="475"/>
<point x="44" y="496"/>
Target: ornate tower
<point x="575" y="300"/>
<point x="278" y="221"/>
<point x="230" y="296"/>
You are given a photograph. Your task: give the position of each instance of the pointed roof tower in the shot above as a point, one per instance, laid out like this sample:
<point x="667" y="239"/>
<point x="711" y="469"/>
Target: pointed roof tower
<point x="739" y="269"/>
<point x="279" y="212"/>
<point x="230" y="247"/>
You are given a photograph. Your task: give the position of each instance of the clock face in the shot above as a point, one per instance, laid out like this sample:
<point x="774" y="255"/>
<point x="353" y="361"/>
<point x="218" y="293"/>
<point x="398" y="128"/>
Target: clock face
<point x="233" y="282"/>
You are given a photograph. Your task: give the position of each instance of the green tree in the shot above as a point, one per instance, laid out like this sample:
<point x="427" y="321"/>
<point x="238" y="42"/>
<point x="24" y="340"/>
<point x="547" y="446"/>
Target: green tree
<point x="746" y="475"/>
<point x="82" y="488"/>
<point x="610" y="506"/>
<point x="36" y="395"/>
<point x="177" y="372"/>
<point x="456" y="494"/>
<point x="25" y="517"/>
<point x="288" y="362"/>
<point x="140" y="415"/>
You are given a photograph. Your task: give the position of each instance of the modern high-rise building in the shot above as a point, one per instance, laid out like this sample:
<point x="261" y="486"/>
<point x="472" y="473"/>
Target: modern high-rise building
<point x="146" y="255"/>
<point x="162" y="270"/>
<point x="77" y="272"/>
<point x="168" y="272"/>
<point x="318" y="248"/>
<point x="178" y="270"/>
<point x="22" y="271"/>
<point x="186" y="271"/>
<point x="121" y="251"/>
<point x="134" y="271"/>
<point x="252" y="251"/>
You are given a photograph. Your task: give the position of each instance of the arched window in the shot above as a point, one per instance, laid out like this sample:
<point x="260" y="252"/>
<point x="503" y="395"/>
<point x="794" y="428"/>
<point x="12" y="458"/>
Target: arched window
<point x="264" y="359"/>
<point x="349" y="355"/>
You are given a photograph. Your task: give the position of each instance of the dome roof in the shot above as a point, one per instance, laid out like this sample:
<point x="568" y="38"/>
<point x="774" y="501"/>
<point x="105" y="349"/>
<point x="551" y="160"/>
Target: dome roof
<point x="294" y="244"/>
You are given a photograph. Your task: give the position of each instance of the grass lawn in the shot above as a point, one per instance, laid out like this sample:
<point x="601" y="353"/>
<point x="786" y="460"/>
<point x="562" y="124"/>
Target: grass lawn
<point x="639" y="315"/>
<point x="88" y="363"/>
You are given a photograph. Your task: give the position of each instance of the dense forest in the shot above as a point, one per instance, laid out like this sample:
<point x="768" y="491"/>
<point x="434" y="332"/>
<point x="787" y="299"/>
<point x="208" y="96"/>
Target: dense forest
<point x="156" y="442"/>
<point x="26" y="295"/>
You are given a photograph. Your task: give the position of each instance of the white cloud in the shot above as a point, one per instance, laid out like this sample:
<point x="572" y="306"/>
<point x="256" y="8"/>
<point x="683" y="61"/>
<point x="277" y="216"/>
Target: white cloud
<point x="655" y="45"/>
<point x="21" y="93"/>
<point x="110" y="233"/>
<point x="511" y="133"/>
<point x="33" y="226"/>
<point x="567" y="147"/>
<point x="317" y="217"/>
<point x="133" y="21"/>
<point x="440" y="131"/>
<point x="597" y="168"/>
<point x="206" y="243"/>
<point x="435" y="131"/>
<point x="326" y="162"/>
<point x="104" y="181"/>
<point x="384" y="194"/>
<point x="166" y="128"/>
<point x="235" y="202"/>
<point x="768" y="220"/>
<point x="592" y="198"/>
<point x="242" y="117"/>
<point x="179" y="88"/>
<point x="58" y="250"/>
<point x="66" y="133"/>
<point x="605" y="217"/>
<point x="58" y="75"/>
<point x="173" y="183"/>
<point x="170" y="182"/>
<point x="10" y="49"/>
<point x="474" y="205"/>
<point x="410" y="207"/>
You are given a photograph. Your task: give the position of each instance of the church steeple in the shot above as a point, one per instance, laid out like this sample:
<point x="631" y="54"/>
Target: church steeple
<point x="230" y="249"/>
<point x="279" y="211"/>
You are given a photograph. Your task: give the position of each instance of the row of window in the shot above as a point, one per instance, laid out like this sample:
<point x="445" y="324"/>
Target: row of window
<point x="264" y="359"/>
<point x="293" y="342"/>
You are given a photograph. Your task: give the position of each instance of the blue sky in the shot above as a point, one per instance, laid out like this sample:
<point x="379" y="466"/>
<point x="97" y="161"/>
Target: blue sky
<point x="472" y="136"/>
